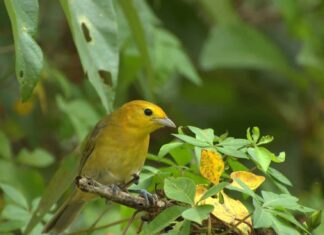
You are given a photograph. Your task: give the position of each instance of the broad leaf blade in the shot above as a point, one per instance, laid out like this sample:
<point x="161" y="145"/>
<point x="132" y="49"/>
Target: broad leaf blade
<point x="29" y="57"/>
<point x="94" y="29"/>
<point x="181" y="189"/>
<point x="163" y="219"/>
<point x="198" y="214"/>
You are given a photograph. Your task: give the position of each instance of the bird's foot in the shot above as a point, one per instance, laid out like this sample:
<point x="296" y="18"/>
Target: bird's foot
<point x="150" y="198"/>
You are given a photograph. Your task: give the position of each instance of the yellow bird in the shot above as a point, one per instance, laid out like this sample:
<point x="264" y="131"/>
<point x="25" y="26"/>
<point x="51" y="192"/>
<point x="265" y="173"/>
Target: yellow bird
<point x="114" y="151"/>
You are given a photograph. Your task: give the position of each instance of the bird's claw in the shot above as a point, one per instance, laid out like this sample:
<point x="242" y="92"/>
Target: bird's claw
<point x="150" y="198"/>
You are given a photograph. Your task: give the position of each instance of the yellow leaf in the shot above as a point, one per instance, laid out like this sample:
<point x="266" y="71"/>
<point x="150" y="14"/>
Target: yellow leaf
<point x="211" y="165"/>
<point x="24" y="108"/>
<point x="251" y="180"/>
<point x="230" y="211"/>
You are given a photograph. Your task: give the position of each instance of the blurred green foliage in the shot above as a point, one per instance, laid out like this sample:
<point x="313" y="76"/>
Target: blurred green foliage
<point x="221" y="64"/>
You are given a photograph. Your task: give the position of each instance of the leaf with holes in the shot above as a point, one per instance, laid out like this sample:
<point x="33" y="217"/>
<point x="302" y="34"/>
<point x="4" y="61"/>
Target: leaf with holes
<point x="94" y="30"/>
<point x="29" y="57"/>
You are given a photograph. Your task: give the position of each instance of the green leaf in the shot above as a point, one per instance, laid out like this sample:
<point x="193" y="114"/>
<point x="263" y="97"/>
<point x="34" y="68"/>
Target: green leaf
<point x="234" y="142"/>
<point x="213" y="190"/>
<point x="265" y="139"/>
<point x="14" y="195"/>
<point x="241" y="46"/>
<point x="81" y="114"/>
<point x="59" y="183"/>
<point x="94" y="29"/>
<point x="191" y="140"/>
<point x="11" y="225"/>
<point x="136" y="26"/>
<point x="166" y="148"/>
<point x="13" y="212"/>
<point x="181" y="189"/>
<point x="235" y="165"/>
<point x="182" y="154"/>
<point x="5" y="147"/>
<point x="168" y="46"/>
<point x="163" y="219"/>
<point x="37" y="158"/>
<point x="262" y="218"/>
<point x="279" y="176"/>
<point x="29" y="57"/>
<point x="279" y="201"/>
<point x="245" y="189"/>
<point x="314" y="220"/>
<point x="206" y="135"/>
<point x="255" y="134"/>
<point x="232" y="151"/>
<point x="198" y="214"/>
<point x="290" y="218"/>
<point x="261" y="156"/>
<point x="282" y="227"/>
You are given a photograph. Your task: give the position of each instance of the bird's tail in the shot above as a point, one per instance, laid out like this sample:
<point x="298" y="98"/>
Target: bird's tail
<point x="64" y="216"/>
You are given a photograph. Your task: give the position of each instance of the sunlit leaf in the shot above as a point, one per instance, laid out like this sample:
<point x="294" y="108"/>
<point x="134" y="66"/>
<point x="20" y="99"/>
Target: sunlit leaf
<point x="203" y="134"/>
<point x="211" y="165"/>
<point x="251" y="180"/>
<point x="261" y="156"/>
<point x="230" y="211"/>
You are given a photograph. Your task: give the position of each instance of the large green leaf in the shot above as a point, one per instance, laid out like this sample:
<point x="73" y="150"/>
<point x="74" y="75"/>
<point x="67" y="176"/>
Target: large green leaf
<point x="198" y="214"/>
<point x="29" y="57"/>
<point x="163" y="219"/>
<point x="181" y="189"/>
<point x="94" y="29"/>
<point x="241" y="46"/>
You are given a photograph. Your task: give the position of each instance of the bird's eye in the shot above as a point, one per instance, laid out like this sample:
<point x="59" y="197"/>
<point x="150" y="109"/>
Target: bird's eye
<point x="148" y="112"/>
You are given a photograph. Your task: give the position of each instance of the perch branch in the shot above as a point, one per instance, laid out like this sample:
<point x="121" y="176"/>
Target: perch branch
<point x="117" y="195"/>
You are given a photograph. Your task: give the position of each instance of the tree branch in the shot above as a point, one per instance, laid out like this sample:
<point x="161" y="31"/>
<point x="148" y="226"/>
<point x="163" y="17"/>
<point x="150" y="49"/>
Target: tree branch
<point x="115" y="194"/>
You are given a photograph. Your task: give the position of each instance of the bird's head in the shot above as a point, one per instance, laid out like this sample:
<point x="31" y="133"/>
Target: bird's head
<point x="143" y="116"/>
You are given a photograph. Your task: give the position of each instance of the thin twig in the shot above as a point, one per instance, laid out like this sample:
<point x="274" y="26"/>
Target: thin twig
<point x="98" y="228"/>
<point x="98" y="219"/>
<point x="130" y="222"/>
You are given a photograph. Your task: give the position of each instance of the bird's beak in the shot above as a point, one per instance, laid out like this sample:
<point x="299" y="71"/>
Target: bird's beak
<point x="165" y="122"/>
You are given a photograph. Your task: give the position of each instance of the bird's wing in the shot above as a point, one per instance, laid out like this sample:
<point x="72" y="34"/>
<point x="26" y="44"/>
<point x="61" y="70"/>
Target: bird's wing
<point x="90" y="141"/>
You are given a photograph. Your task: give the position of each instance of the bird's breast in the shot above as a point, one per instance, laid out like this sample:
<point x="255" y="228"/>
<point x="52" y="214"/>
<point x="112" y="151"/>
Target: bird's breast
<point x="116" y="160"/>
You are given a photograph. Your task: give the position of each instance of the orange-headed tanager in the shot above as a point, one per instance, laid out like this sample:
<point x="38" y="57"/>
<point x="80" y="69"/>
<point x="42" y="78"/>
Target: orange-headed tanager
<point x="114" y="151"/>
